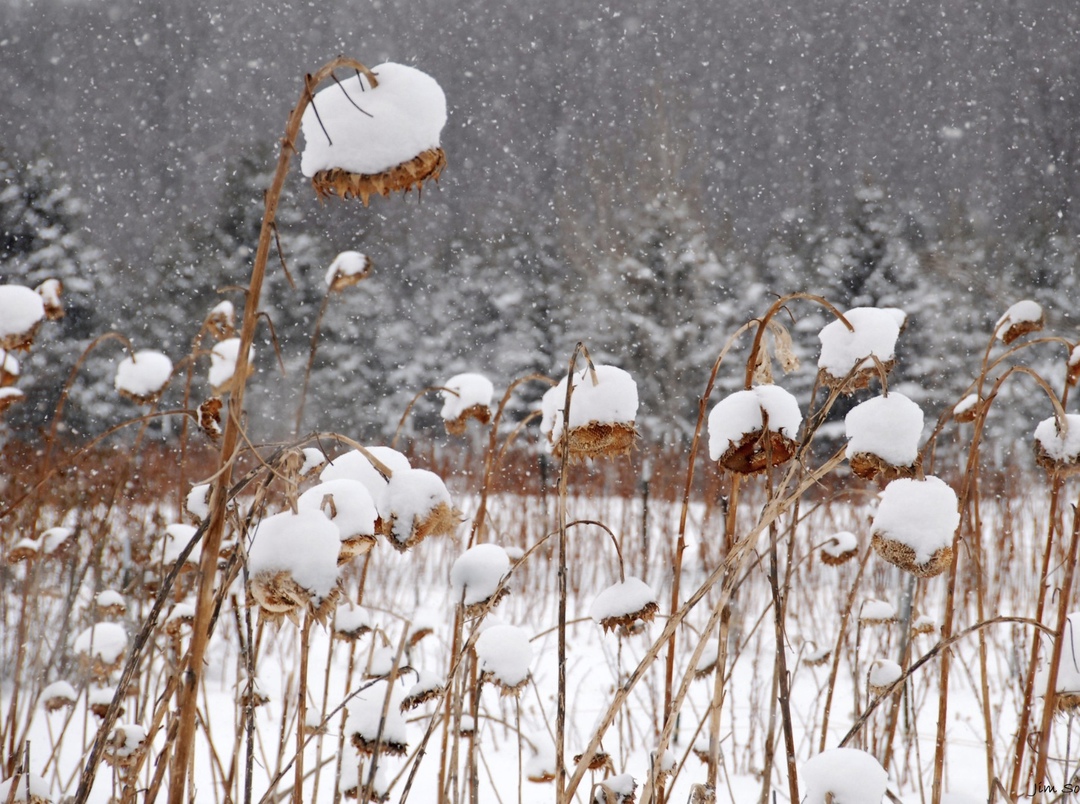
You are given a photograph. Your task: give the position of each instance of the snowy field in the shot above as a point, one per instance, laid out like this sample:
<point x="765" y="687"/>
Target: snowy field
<point x="876" y="618"/>
<point x="407" y="599"/>
<point x="856" y="602"/>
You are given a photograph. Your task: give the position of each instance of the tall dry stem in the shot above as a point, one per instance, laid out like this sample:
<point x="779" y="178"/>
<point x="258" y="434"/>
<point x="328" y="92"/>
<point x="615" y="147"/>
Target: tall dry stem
<point x="1065" y="602"/>
<point x="182" y="756"/>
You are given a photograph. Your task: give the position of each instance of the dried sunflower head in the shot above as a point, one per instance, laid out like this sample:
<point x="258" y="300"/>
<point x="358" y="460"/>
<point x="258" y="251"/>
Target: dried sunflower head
<point x="603" y="407"/>
<point x="293" y="565"/>
<point x="348" y="269"/>
<point x="375" y="133"/>
<point x="623" y="604"/>
<point x="1022" y="318"/>
<point x="22" y="312"/>
<point x="751" y="430"/>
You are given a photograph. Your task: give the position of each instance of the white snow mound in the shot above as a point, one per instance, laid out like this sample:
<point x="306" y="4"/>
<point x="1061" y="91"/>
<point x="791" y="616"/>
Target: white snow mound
<point x="922" y="514"/>
<point x="396" y="121"/>
<point x="347" y="264"/>
<point x="622" y="599"/>
<point x="354" y="465"/>
<point x="839" y="543"/>
<point x="197" y="501"/>
<point x="470" y="390"/>
<point x="612" y="399"/>
<point x="886" y="426"/>
<point x="176" y="539"/>
<point x="477" y="572"/>
<point x="877" y="610"/>
<point x="59" y="691"/>
<point x="144" y="374"/>
<point x="27" y="786"/>
<point x="851" y="776"/>
<point x="965" y="404"/>
<point x="306" y="544"/>
<point x="21" y="309"/>
<point x="347" y="503"/>
<point x="104" y="641"/>
<point x="1021" y="313"/>
<point x="223" y="359"/>
<point x="365" y="715"/>
<point x="411" y="495"/>
<point x="876" y="331"/>
<point x="1065" y="449"/>
<point x="9" y="364"/>
<point x="505" y="652"/>
<point x="884" y="672"/>
<point x="52" y="538"/>
<point x="741" y="413"/>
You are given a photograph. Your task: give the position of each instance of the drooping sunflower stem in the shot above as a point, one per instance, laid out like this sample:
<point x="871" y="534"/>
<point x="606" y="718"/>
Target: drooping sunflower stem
<point x="412" y="403"/>
<point x="183" y="754"/>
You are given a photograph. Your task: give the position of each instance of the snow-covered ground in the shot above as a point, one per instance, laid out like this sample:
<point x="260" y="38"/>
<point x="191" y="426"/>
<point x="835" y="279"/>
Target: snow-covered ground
<point x="410" y="602"/>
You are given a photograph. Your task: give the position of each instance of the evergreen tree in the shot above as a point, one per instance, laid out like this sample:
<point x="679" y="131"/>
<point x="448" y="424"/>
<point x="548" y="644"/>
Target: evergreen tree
<point x="41" y="238"/>
<point x="498" y="310"/>
<point x="870" y="261"/>
<point x="290" y="300"/>
<point x="665" y="300"/>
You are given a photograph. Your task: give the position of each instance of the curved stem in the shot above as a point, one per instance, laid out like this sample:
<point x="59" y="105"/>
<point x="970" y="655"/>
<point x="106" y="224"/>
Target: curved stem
<point x="967" y="484"/>
<point x="939" y="648"/>
<point x="380" y="467"/>
<point x="93" y="760"/>
<point x="1049" y="699"/>
<point x="561" y="793"/>
<point x="680" y="544"/>
<point x="883" y="374"/>
<point x="729" y="571"/>
<point x="200" y="637"/>
<point x="409" y="407"/>
<point x="50" y="440"/>
<point x="614" y="541"/>
<point x="776" y="307"/>
<point x="1056" y="484"/>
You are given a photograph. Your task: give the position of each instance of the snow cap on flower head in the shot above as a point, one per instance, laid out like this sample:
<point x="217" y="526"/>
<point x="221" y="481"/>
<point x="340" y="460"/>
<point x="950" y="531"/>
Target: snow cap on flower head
<point x="374" y="133"/>
<point x="603" y="407"/>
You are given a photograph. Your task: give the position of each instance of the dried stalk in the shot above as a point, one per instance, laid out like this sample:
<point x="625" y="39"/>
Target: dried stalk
<point x="1049" y="699"/>
<point x="1033" y="664"/>
<point x="412" y="403"/>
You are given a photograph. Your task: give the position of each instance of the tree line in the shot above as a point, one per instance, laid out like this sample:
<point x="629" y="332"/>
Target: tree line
<point x="643" y="180"/>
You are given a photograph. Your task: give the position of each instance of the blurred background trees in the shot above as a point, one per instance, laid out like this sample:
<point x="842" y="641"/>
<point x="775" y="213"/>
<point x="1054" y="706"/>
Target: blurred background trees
<point x="641" y="178"/>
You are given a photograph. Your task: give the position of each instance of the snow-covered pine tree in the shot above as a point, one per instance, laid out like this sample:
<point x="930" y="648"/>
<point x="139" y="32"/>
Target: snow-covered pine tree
<point x="882" y="256"/>
<point x="291" y="307"/>
<point x="41" y="237"/>
<point x="665" y="302"/>
<point x="870" y="260"/>
<point x="499" y="311"/>
<point x="535" y="283"/>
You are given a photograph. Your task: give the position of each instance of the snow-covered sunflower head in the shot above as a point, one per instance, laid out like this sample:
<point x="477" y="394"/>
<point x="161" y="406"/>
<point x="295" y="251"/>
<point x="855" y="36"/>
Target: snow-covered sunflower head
<point x="375" y="133"/>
